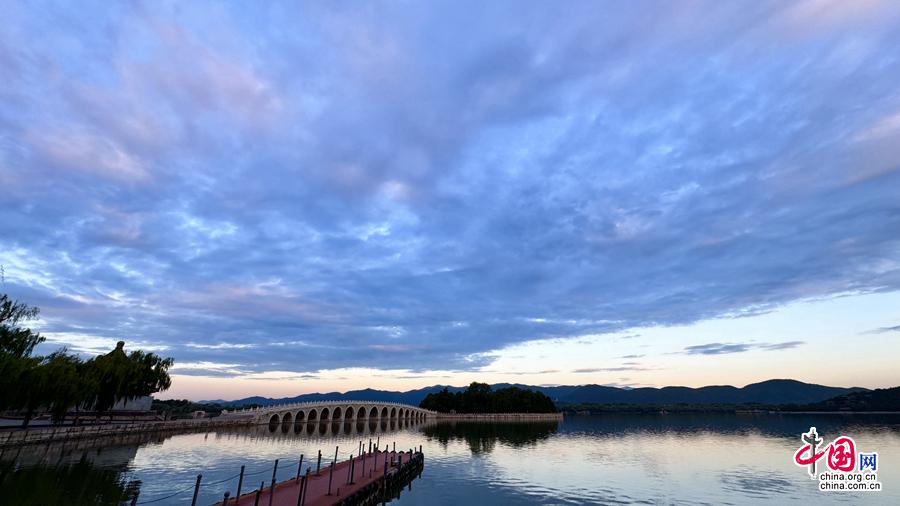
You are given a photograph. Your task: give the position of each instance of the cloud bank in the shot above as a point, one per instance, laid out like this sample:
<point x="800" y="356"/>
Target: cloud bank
<point x="287" y="187"/>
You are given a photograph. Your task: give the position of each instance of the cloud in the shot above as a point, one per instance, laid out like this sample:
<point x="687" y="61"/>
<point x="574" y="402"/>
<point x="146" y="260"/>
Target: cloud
<point x="277" y="188"/>
<point x="882" y="330"/>
<point x="725" y="348"/>
<point x="523" y="373"/>
<point x="628" y="366"/>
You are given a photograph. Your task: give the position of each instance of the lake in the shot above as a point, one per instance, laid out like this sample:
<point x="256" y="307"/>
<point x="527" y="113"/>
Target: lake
<point x="608" y="459"/>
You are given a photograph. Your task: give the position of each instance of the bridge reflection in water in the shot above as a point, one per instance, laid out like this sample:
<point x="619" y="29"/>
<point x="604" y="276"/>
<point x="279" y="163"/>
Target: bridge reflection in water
<point x="331" y="429"/>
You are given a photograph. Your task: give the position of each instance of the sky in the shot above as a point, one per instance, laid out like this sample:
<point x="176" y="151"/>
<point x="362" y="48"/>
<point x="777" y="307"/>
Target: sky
<point x="316" y="196"/>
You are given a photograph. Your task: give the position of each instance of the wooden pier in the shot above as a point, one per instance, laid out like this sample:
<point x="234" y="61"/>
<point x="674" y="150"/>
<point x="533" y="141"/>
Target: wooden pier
<point x="366" y="479"/>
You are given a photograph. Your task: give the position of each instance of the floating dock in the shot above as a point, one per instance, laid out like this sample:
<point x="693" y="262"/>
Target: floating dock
<point x="366" y="479"/>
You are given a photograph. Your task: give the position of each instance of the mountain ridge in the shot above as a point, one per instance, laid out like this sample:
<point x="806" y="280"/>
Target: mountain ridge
<point x="770" y="392"/>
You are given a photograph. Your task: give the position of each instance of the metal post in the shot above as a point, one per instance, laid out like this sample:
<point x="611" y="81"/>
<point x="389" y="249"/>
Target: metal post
<point x="225" y="500"/>
<point x="299" y="466"/>
<point x="196" y="490"/>
<point x="330" y="475"/>
<point x="360" y="449"/>
<point x="370" y="445"/>
<point x="378" y="443"/>
<point x="300" y="492"/>
<point x="319" y="463"/>
<point x="258" y="492"/>
<point x="350" y="470"/>
<point x="240" y="483"/>
<point x="272" y="488"/>
<point x="395" y="446"/>
<point x="335" y="453"/>
<point x="307" y="487"/>
<point x="353" y="468"/>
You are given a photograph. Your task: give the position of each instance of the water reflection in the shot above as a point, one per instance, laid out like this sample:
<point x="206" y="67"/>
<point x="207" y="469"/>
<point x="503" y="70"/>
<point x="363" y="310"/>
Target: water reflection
<point x="776" y="425"/>
<point x="336" y="428"/>
<point x="608" y="459"/>
<point x="483" y="437"/>
<point x="81" y="482"/>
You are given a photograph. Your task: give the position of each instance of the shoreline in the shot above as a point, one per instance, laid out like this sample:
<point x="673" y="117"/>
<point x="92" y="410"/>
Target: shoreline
<point x="48" y="434"/>
<point x="498" y="416"/>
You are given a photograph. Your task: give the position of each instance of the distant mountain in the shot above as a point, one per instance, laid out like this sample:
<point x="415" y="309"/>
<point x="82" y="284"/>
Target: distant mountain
<point x="882" y="399"/>
<point x="771" y="392"/>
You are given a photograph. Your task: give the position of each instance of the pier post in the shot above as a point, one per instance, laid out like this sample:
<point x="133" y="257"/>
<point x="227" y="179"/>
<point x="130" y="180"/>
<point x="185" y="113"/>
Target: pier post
<point x="225" y="500"/>
<point x="350" y="470"/>
<point x="319" y="463"/>
<point x="330" y="475"/>
<point x="258" y="493"/>
<point x="307" y="487"/>
<point x="395" y="446"/>
<point x="378" y="443"/>
<point x="300" y="492"/>
<point x="360" y="448"/>
<point x="336" y="453"/>
<point x="196" y="490"/>
<point x="272" y="488"/>
<point x="299" y="467"/>
<point x="237" y="495"/>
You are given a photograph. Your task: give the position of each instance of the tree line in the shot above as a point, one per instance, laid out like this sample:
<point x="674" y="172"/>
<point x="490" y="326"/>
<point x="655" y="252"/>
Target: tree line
<point x="61" y="381"/>
<point x="480" y="398"/>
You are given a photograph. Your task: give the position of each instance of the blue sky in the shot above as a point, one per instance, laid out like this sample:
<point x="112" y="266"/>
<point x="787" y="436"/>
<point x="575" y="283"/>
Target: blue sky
<point x="289" y="197"/>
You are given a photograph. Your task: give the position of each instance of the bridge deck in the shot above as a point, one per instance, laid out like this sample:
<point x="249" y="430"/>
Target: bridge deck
<point x="367" y="470"/>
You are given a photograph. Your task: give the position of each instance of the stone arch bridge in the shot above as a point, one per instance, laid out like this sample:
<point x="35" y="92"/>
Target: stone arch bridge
<point x="331" y="411"/>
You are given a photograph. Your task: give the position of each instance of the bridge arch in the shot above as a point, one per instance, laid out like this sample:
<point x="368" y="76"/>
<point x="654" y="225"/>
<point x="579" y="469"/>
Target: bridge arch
<point x="333" y="412"/>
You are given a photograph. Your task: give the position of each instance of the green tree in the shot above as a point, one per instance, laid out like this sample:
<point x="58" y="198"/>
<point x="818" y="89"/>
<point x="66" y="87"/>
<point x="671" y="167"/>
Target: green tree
<point x="17" y="366"/>
<point x="118" y="376"/>
<point x="62" y="381"/>
<point x="63" y="384"/>
<point x="16" y="341"/>
<point x="480" y="398"/>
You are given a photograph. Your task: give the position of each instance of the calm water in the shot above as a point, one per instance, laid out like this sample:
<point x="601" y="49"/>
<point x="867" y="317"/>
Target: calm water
<point x="616" y="459"/>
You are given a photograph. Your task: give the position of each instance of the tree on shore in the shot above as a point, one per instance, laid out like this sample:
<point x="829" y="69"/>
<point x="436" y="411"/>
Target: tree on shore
<point x="121" y="377"/>
<point x="480" y="398"/>
<point x="17" y="343"/>
<point x="62" y="381"/>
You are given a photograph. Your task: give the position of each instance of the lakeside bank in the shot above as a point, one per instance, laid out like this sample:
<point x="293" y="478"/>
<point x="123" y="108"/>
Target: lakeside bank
<point x="42" y="435"/>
